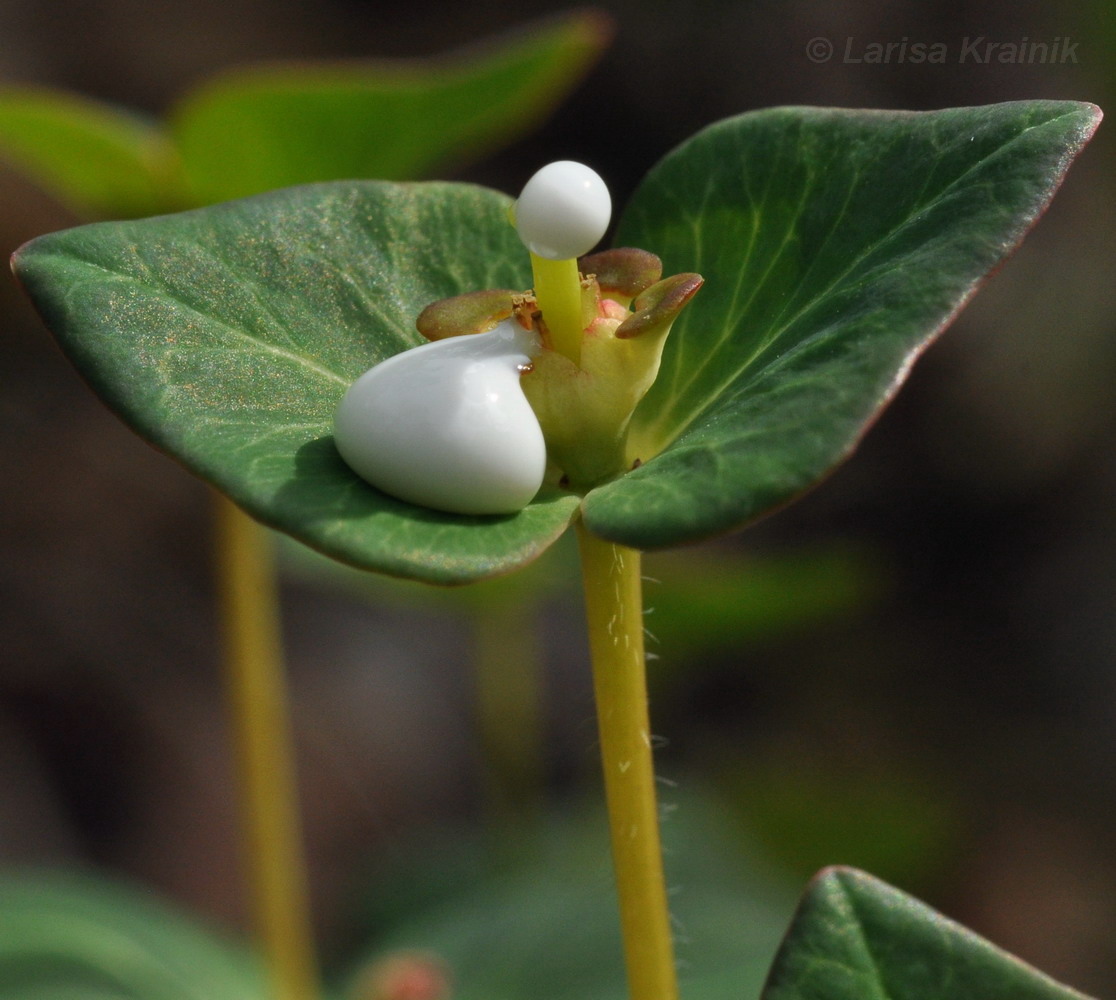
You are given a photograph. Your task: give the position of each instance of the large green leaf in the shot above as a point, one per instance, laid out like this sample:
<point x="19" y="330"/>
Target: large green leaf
<point x="69" y="935"/>
<point x="226" y="336"/>
<point x="856" y="938"/>
<point x="835" y="245"/>
<point x="95" y="158"/>
<point x="264" y="127"/>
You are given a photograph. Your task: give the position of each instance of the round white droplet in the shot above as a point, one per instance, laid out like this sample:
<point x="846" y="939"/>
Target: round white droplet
<point x="446" y="425"/>
<point x="563" y="211"/>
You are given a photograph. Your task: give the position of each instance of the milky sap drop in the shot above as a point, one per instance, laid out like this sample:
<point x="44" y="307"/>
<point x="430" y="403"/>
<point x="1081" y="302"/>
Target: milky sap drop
<point x="446" y="425"/>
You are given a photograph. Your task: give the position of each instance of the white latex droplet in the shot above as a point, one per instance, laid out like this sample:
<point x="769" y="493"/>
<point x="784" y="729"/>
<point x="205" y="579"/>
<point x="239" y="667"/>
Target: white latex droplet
<point x="563" y="211"/>
<point x="446" y="425"/>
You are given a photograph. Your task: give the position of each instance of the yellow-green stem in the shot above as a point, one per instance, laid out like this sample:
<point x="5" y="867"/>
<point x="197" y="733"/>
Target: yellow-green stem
<point x="258" y="701"/>
<point x="558" y="294"/>
<point x="613" y="600"/>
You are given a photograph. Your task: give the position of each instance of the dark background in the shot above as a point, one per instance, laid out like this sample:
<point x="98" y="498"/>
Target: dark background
<point x="968" y="706"/>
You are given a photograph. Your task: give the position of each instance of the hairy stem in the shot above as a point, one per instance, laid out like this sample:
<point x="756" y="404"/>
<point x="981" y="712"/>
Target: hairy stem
<point x="613" y="599"/>
<point x="558" y="294"/>
<point x="258" y="704"/>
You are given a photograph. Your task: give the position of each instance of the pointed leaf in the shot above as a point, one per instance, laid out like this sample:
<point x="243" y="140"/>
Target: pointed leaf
<point x="227" y="335"/>
<point x="856" y="938"/>
<point x="835" y="245"/>
<point x="95" y="158"/>
<point x="266" y="127"/>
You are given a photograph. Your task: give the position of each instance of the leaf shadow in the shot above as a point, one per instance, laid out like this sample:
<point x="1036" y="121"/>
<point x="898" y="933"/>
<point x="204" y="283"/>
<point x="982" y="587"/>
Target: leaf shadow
<point x="325" y="505"/>
<point x="324" y="490"/>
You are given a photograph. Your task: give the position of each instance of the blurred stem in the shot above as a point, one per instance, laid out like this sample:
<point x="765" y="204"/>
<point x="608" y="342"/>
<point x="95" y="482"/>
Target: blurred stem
<point x="508" y="676"/>
<point x="558" y="294"/>
<point x="258" y="703"/>
<point x="614" y="604"/>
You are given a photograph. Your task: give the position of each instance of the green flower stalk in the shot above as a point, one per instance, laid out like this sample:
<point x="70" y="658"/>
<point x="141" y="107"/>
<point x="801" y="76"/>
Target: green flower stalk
<point x="562" y="212"/>
<point x="584" y="384"/>
<point x="459" y="424"/>
<point x="585" y="408"/>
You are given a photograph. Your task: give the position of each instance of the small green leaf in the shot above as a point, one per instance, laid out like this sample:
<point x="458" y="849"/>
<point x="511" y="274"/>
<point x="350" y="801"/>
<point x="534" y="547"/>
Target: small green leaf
<point x="266" y="127"/>
<point x="856" y="938"/>
<point x="227" y="335"/>
<point x="68" y="935"/>
<point x="96" y="159"/>
<point x="835" y="245"/>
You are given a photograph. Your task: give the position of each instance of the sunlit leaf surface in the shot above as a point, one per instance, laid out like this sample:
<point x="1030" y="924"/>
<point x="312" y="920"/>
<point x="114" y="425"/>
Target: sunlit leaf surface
<point x="226" y="337"/>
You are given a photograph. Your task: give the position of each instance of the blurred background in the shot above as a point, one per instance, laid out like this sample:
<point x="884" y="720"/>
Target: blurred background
<point x="912" y="670"/>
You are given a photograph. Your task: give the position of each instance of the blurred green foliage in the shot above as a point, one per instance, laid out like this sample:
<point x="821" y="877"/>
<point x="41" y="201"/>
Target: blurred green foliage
<point x="808" y="813"/>
<point x="537" y="917"/>
<point x="80" y="937"/>
<point x="259" y="127"/>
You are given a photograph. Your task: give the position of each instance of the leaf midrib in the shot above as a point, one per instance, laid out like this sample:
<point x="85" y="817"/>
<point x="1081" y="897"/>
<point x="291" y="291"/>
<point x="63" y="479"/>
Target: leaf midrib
<point x="710" y="400"/>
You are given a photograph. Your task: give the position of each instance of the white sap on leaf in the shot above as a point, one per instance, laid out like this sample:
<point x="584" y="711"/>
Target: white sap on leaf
<point x="563" y="211"/>
<point x="446" y="425"/>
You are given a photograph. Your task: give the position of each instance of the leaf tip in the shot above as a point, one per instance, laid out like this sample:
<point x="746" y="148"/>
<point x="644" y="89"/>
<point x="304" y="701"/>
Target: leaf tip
<point x="1094" y="111"/>
<point x="15" y="261"/>
<point x="839" y="878"/>
<point x="1094" y="116"/>
<point x="595" y="26"/>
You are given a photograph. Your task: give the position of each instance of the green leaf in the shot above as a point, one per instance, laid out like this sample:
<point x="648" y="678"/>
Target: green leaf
<point x="835" y="245"/>
<point x="69" y="935"/>
<point x="266" y="127"/>
<point x="855" y="938"/>
<point x="96" y="159"/>
<point x="226" y="336"/>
